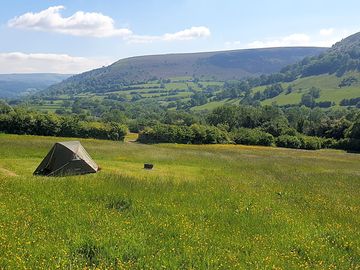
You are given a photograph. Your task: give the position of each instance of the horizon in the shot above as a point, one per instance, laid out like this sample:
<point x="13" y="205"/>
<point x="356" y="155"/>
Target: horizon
<point x="162" y="54"/>
<point x="43" y="37"/>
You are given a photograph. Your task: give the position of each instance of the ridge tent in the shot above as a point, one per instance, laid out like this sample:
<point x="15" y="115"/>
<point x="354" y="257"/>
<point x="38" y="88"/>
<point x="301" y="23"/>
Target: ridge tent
<point x="66" y="158"/>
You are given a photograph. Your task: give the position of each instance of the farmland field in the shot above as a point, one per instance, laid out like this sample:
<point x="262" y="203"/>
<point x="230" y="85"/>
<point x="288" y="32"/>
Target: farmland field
<point x="202" y="207"/>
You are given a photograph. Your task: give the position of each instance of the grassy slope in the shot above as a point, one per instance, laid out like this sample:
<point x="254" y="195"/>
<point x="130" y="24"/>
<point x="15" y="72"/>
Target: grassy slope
<point x="201" y="207"/>
<point x="214" y="104"/>
<point x="328" y="85"/>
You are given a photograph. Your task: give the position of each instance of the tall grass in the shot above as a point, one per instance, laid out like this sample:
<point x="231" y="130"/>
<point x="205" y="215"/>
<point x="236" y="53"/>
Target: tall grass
<point x="201" y="207"/>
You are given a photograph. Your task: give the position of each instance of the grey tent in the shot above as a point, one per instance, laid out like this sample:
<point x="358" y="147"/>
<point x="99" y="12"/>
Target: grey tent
<point x="66" y="158"/>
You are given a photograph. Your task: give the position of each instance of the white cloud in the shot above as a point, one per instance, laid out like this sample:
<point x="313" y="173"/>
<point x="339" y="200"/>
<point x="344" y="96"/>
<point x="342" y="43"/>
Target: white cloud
<point x="187" y="34"/>
<point x="18" y="62"/>
<point x="94" y="25"/>
<point x="287" y="41"/>
<point x="324" y="38"/>
<point x="79" y="24"/>
<point x="327" y="32"/>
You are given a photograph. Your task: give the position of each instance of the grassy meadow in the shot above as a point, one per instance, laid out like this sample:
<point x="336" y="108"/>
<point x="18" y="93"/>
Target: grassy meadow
<point x="201" y="207"/>
<point x="328" y="85"/>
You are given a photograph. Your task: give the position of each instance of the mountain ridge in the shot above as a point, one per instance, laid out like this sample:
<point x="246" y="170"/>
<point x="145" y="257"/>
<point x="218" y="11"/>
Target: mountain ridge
<point x="220" y="65"/>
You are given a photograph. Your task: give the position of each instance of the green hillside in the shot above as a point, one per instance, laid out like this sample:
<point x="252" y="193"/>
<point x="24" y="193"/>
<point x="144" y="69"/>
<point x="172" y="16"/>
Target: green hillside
<point x="166" y="93"/>
<point x="215" y="66"/>
<point x="331" y="78"/>
<point x="329" y="86"/>
<point x="181" y="91"/>
<point x="201" y="207"/>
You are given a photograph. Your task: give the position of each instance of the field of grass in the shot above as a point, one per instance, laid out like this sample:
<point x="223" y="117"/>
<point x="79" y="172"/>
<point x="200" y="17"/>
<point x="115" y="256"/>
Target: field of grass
<point x="328" y="84"/>
<point x="214" y="104"/>
<point x="201" y="207"/>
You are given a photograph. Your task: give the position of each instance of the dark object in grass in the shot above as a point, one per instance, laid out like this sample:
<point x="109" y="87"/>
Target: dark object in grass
<point x="90" y="252"/>
<point x="119" y="204"/>
<point x="148" y="166"/>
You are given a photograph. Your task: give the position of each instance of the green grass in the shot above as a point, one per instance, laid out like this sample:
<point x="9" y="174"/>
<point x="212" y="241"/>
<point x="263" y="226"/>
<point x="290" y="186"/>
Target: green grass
<point x="202" y="207"/>
<point x="147" y="85"/>
<point x="194" y="86"/>
<point x="210" y="83"/>
<point x="176" y="85"/>
<point x="328" y="84"/>
<point x="214" y="104"/>
<point x="181" y="78"/>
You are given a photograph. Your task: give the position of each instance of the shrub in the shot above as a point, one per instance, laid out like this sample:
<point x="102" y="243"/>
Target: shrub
<point x="252" y="137"/>
<point x="197" y="134"/>
<point x="310" y="143"/>
<point x="47" y="124"/>
<point x="288" y="141"/>
<point x="166" y="134"/>
<point x="299" y="142"/>
<point x="215" y="135"/>
<point x="329" y="143"/>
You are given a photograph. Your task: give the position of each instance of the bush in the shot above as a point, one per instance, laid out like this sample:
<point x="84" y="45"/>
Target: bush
<point x="329" y="143"/>
<point x="252" y="137"/>
<point x="166" y="134"/>
<point x="197" y="134"/>
<point x="47" y="124"/>
<point x="310" y="143"/>
<point x="215" y="135"/>
<point x="301" y="142"/>
<point x="288" y="141"/>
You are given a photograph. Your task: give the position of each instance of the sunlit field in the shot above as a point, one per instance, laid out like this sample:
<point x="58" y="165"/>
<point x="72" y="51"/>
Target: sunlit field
<point x="201" y="207"/>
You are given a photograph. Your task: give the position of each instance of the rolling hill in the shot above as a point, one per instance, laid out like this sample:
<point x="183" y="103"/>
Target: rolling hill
<point x="329" y="86"/>
<point x="334" y="75"/>
<point x="15" y="85"/>
<point x="216" y="66"/>
<point x="199" y="81"/>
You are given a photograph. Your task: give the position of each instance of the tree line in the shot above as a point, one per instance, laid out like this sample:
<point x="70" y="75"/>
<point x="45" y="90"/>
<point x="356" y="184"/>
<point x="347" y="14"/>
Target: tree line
<point x="21" y="121"/>
<point x="295" y="127"/>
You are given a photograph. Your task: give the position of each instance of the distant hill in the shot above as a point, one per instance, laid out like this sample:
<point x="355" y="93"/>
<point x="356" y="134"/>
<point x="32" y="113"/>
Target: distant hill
<point x="331" y="78"/>
<point x="15" y="85"/>
<point x="334" y="73"/>
<point x="216" y="66"/>
<point x="342" y="57"/>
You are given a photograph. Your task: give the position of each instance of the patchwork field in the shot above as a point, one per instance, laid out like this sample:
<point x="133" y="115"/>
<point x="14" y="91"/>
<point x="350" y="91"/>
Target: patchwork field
<point x="178" y="88"/>
<point x="202" y="207"/>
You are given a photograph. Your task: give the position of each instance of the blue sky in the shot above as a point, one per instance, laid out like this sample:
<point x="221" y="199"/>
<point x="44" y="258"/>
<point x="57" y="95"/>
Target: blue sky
<point x="74" y="36"/>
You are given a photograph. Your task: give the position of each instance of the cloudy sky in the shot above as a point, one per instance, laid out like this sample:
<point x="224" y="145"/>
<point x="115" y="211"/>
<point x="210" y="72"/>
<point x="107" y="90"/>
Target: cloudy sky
<point x="78" y="35"/>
